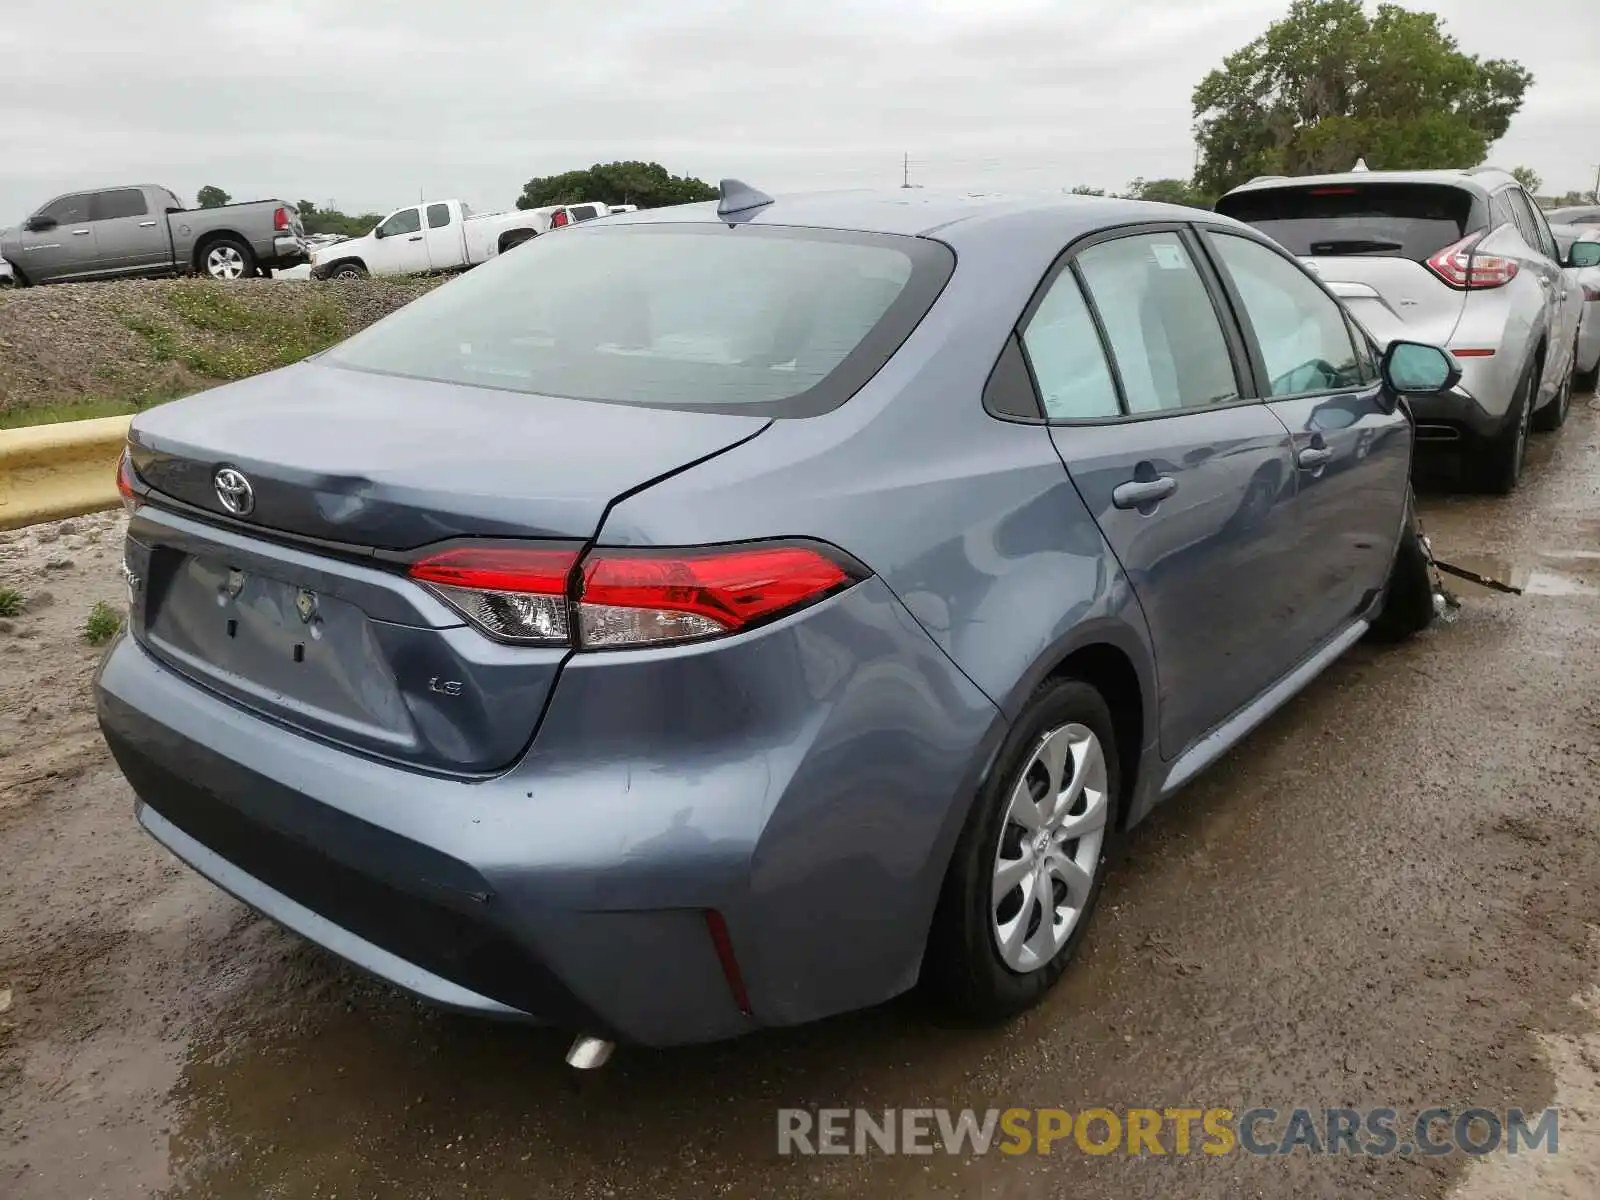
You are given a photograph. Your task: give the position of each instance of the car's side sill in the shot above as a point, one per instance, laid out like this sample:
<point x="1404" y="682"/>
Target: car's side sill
<point x="1221" y="739"/>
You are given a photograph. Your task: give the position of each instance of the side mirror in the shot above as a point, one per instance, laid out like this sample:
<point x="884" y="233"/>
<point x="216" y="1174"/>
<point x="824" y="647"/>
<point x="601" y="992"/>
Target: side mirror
<point x="39" y="224"/>
<point x="1584" y="254"/>
<point x="377" y="231"/>
<point x="1416" y="369"/>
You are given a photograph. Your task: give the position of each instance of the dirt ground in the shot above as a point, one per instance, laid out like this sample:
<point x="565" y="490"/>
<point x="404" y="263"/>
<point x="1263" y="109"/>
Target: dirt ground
<point x="1386" y="896"/>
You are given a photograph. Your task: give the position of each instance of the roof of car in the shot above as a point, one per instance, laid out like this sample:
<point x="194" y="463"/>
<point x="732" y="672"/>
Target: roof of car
<point x="1482" y="179"/>
<point x="920" y="211"/>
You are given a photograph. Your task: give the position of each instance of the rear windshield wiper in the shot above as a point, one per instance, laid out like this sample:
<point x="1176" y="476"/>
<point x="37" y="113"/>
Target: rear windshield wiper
<point x="1355" y="246"/>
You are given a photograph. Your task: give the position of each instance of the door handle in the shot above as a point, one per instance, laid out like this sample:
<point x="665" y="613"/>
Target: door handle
<point x="1138" y="492"/>
<point x="1313" y="456"/>
<point x="414" y="238"/>
<point x="147" y="224"/>
<point x="80" y="233"/>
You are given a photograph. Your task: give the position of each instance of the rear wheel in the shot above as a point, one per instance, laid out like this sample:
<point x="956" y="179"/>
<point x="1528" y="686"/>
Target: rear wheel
<point x="1554" y="415"/>
<point x="1498" y="462"/>
<point x="1028" y="867"/>
<point x="228" y="259"/>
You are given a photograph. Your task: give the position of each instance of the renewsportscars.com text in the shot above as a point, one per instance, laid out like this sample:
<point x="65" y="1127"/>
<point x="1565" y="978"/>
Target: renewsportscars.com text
<point x="1166" y="1131"/>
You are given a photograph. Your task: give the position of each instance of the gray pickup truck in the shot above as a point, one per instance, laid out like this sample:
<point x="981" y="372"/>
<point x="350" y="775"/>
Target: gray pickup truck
<point x="146" y="230"/>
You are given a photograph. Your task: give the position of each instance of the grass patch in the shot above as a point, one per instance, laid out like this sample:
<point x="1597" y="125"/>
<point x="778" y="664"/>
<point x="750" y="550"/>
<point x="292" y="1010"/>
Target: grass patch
<point x="10" y="602"/>
<point x="84" y="410"/>
<point x="227" y="334"/>
<point x="102" y="624"/>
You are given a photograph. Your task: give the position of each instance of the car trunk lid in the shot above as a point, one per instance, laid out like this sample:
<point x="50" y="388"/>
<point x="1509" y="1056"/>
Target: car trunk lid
<point x="300" y="609"/>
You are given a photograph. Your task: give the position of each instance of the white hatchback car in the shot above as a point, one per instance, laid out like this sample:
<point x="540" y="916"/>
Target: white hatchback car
<point x="1460" y="259"/>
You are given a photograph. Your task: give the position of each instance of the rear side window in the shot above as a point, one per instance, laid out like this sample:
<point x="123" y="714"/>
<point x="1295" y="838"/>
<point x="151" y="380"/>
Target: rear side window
<point x="759" y="319"/>
<point x="1404" y="220"/>
<point x="438" y="216"/>
<point x="1301" y="330"/>
<point x="1158" y="316"/>
<point x="122" y="202"/>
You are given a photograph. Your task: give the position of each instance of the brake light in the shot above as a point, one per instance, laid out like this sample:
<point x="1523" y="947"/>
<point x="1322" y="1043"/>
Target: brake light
<point x="1461" y="267"/>
<point x="558" y="219"/>
<point x="126" y="482"/>
<point x="629" y="598"/>
<point x="1334" y="191"/>
<point x="280" y="220"/>
<point x="619" y="598"/>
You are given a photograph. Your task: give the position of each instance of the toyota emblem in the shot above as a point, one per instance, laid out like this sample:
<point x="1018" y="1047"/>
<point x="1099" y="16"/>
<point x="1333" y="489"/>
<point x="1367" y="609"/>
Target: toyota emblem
<point x="235" y="492"/>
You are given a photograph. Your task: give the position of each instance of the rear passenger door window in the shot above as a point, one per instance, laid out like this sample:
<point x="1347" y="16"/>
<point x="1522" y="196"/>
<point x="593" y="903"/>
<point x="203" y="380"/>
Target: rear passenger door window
<point x="438" y="216"/>
<point x="1068" y="361"/>
<point x="1304" y="341"/>
<point x="1163" y="331"/>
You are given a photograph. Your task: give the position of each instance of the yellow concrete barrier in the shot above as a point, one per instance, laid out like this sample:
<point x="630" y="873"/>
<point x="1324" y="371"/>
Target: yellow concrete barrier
<point x="48" y="472"/>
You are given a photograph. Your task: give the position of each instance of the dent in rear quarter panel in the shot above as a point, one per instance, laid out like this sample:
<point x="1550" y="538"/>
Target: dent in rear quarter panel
<point x="800" y="779"/>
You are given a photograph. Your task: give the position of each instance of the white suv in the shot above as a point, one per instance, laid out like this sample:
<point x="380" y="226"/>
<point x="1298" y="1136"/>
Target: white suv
<point x="1462" y="259"/>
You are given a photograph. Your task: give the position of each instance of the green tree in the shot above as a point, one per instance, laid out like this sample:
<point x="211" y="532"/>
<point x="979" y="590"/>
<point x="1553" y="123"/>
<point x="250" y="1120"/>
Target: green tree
<point x="212" y="196"/>
<point x="331" y="220"/>
<point x="1168" y="191"/>
<point x="1528" y="178"/>
<point x="1085" y="190"/>
<point x="1328" y="85"/>
<point x="646" y="184"/>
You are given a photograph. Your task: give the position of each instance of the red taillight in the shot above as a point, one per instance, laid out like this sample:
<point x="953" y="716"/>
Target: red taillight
<point x="1460" y="267"/>
<point x="1334" y="191"/>
<point x="557" y="220"/>
<point x="125" y="482"/>
<point x="1590" y="292"/>
<point x="280" y="220"/>
<point x="627" y="597"/>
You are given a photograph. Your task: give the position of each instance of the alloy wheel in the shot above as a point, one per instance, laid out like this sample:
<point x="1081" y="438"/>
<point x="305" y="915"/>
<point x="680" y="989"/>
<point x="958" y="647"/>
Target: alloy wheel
<point x="224" y="262"/>
<point x="1049" y="849"/>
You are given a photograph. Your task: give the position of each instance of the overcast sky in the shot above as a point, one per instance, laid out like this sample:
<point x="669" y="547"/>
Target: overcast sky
<point x="368" y="104"/>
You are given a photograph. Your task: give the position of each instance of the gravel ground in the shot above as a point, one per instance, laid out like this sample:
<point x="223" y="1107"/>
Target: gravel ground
<point x="69" y="343"/>
<point x="1386" y="896"/>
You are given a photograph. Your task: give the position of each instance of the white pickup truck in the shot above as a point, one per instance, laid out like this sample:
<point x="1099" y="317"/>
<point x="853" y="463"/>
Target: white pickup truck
<point x="441" y="235"/>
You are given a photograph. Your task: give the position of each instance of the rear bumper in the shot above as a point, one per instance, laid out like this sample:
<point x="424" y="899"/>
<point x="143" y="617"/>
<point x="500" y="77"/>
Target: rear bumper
<point x="807" y="785"/>
<point x="1455" y="416"/>
<point x="288" y="252"/>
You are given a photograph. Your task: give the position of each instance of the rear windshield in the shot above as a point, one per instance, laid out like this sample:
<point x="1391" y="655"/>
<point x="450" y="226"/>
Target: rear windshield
<point x="1404" y="220"/>
<point x="753" y="319"/>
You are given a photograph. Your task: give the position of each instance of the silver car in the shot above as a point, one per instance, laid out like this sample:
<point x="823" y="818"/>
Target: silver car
<point x="1461" y="259"/>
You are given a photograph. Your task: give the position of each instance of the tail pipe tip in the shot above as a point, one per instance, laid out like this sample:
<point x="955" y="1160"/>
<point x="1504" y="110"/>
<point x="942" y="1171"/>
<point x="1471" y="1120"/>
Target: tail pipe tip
<point x="589" y="1053"/>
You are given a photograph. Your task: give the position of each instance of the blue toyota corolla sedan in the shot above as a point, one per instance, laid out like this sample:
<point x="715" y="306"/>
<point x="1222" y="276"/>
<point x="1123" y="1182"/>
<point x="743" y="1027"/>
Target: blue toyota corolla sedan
<point x="730" y="615"/>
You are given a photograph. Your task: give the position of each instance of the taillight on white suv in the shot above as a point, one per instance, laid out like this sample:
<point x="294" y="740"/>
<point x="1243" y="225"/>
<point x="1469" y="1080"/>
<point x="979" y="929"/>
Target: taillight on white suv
<point x="616" y="598"/>
<point x="1459" y="267"/>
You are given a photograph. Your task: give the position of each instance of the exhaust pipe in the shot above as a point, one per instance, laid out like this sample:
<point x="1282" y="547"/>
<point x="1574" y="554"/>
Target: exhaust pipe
<point x="589" y="1053"/>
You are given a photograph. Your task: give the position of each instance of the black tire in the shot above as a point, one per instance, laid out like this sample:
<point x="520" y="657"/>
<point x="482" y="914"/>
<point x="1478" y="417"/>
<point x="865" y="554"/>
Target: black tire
<point x="347" y="270"/>
<point x="1554" y="415"/>
<point x="1497" y="465"/>
<point x="962" y="966"/>
<point x="1587" y="381"/>
<point x="18" y="279"/>
<point x="229" y="256"/>
<point x="515" y="238"/>
<point x="1408" y="595"/>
